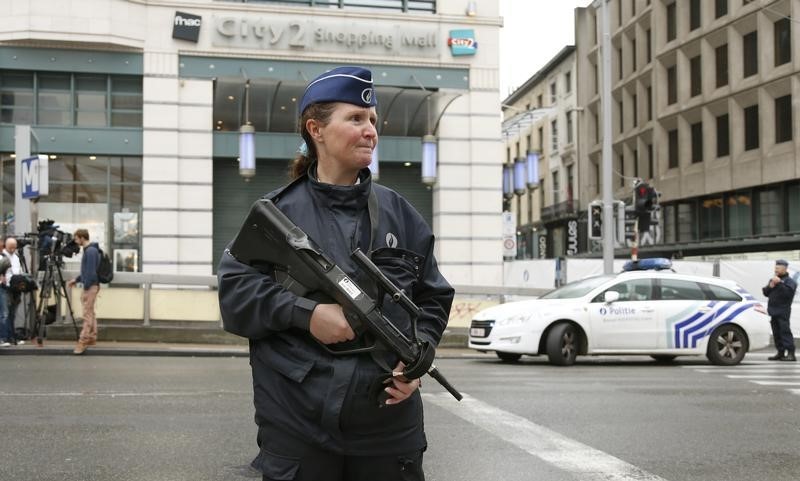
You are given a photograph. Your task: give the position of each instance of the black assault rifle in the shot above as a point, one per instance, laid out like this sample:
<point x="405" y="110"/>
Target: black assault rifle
<point x="269" y="238"/>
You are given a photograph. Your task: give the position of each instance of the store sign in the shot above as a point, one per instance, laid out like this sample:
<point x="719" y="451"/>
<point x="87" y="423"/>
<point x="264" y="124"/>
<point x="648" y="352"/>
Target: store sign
<point x="186" y="26"/>
<point x="572" y="237"/>
<point x="462" y="42"/>
<point x="265" y="33"/>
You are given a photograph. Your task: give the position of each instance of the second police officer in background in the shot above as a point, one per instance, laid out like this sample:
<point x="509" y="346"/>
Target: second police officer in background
<point x="317" y="413"/>
<point x="780" y="291"/>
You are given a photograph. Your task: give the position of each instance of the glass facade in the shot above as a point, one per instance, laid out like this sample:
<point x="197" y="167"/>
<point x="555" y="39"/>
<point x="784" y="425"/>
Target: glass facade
<point x="70" y="100"/>
<point x="739" y="214"/>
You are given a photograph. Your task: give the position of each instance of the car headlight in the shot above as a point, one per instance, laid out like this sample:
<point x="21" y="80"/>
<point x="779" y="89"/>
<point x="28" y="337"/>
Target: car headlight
<point x="515" y="320"/>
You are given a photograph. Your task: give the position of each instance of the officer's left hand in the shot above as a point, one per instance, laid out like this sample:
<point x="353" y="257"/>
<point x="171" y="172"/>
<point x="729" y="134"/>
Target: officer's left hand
<point x="399" y="387"/>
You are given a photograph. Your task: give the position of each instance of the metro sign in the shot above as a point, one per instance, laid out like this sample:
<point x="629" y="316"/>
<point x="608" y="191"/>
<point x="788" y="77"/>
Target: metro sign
<point x="35" y="176"/>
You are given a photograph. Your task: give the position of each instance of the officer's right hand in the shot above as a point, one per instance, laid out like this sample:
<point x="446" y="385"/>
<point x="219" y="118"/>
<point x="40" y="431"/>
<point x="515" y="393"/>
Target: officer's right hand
<point x="329" y="325"/>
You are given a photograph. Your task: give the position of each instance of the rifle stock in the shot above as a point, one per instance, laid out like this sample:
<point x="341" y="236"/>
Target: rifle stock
<point x="270" y="239"/>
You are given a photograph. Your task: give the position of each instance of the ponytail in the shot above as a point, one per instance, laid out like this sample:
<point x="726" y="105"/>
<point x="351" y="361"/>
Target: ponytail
<point x="322" y="114"/>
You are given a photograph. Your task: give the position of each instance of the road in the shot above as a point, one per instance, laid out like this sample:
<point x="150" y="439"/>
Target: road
<point x="190" y="418"/>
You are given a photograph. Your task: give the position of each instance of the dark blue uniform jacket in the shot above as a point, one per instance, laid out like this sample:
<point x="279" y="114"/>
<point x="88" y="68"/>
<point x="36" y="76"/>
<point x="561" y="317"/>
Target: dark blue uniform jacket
<point x="299" y="388"/>
<point x="780" y="297"/>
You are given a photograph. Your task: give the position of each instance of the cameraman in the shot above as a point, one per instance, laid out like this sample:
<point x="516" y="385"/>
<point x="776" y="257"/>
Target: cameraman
<point x="91" y="286"/>
<point x="12" y="299"/>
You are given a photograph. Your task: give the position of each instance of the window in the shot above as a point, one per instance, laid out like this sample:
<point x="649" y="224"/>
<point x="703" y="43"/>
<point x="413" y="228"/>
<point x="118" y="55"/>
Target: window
<point x="723" y="136"/>
<point x="54" y="99"/>
<point x="596" y="78"/>
<point x="553" y="93"/>
<point x="694" y="14"/>
<point x="508" y="155"/>
<point x="541" y="193"/>
<point x="649" y="45"/>
<point x="678" y="290"/>
<point x="672" y="142"/>
<point x="621" y="64"/>
<point x="596" y="128"/>
<point x="671" y="22"/>
<point x="738" y="214"/>
<point x="554" y="135"/>
<point x="783" y="119"/>
<point x="751" y="140"/>
<point x="633" y="54"/>
<point x="719" y="293"/>
<point x="695" y="69"/>
<point x="635" y="110"/>
<point x="529" y="142"/>
<point x="630" y="291"/>
<point x="621" y="171"/>
<point x="793" y="195"/>
<point x="636" y="163"/>
<point x="541" y="139"/>
<point x="650" y="161"/>
<point x="597" y="177"/>
<point x="569" y="127"/>
<point x="672" y="85"/>
<point x="750" y="53"/>
<point x="621" y="111"/>
<point x="687" y="230"/>
<point x="711" y="218"/>
<point x="720" y="8"/>
<point x="697" y="142"/>
<point x="649" y="102"/>
<point x="556" y="188"/>
<point x="568" y="82"/>
<point x="768" y="219"/>
<point x="570" y="183"/>
<point x="90" y="101"/>
<point x="783" y="41"/>
<point x="669" y="223"/>
<point x="721" y="63"/>
<point x="539" y="101"/>
<point x="16" y="97"/>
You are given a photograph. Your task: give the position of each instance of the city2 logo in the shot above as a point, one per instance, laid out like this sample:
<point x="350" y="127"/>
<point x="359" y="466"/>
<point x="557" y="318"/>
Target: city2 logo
<point x="186" y="26"/>
<point x="462" y="42"/>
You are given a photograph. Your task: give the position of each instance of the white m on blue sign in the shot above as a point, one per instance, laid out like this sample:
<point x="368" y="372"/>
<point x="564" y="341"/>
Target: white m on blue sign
<point x="34" y="175"/>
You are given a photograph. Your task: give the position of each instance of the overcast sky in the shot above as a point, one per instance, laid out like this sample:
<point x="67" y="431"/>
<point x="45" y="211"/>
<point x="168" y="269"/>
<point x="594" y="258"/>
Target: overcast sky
<point x="533" y="32"/>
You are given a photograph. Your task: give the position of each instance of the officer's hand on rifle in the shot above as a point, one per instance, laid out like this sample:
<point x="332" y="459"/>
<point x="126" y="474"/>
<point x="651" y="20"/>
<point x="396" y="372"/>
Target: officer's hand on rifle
<point x="329" y="325"/>
<point x="399" y="387"/>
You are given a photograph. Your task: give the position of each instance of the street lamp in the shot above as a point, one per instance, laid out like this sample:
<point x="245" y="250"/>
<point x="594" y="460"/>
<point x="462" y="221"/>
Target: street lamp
<point x="508" y="188"/>
<point x="532" y="159"/>
<point x="429" y="160"/>
<point x="373" y="166"/>
<point x="247" y="140"/>
<point x="519" y="176"/>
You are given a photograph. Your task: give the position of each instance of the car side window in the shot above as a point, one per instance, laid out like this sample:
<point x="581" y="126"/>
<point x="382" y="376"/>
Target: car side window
<point x="722" y="294"/>
<point x="630" y="290"/>
<point x="678" y="290"/>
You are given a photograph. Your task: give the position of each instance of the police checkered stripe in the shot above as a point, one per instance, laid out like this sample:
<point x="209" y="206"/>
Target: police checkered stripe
<point x="746" y="295"/>
<point x="687" y="331"/>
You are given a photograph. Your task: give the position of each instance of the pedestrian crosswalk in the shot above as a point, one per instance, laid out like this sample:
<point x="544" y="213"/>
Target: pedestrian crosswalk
<point x="783" y="375"/>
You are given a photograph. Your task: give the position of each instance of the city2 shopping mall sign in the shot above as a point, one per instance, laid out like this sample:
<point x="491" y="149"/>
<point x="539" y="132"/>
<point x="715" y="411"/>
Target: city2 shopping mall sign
<point x="462" y="42"/>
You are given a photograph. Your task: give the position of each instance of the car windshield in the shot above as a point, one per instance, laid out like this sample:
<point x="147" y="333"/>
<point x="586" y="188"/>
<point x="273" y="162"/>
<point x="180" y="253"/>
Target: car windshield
<point x="577" y="289"/>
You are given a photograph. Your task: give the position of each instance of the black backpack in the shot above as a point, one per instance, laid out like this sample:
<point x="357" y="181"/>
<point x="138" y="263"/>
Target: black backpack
<point x="105" y="269"/>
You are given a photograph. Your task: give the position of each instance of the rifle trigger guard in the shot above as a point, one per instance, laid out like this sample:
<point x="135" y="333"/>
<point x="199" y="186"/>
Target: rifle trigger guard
<point x="423" y="362"/>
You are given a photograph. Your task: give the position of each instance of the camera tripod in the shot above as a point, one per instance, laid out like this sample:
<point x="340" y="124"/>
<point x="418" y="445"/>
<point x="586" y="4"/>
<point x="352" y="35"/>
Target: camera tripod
<point x="52" y="284"/>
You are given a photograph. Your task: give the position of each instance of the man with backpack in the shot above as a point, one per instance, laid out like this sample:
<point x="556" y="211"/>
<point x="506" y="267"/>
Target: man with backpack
<point x="91" y="286"/>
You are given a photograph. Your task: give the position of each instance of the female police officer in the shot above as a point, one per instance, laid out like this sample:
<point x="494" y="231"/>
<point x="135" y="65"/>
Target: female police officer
<point x="318" y="414"/>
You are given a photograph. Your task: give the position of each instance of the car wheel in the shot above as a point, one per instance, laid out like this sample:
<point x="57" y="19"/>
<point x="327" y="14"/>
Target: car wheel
<point x="508" y="356"/>
<point x="562" y="344"/>
<point x="727" y="345"/>
<point x="663" y="357"/>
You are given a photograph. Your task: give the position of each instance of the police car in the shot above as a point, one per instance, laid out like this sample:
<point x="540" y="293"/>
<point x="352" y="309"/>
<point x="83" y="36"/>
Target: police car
<point x="643" y="310"/>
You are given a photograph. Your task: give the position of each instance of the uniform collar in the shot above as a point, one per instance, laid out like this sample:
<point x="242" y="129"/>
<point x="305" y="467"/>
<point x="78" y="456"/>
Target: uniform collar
<point x="354" y="196"/>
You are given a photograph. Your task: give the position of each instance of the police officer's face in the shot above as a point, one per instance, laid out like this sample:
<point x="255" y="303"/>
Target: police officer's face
<point x="780" y="270"/>
<point x="349" y="137"/>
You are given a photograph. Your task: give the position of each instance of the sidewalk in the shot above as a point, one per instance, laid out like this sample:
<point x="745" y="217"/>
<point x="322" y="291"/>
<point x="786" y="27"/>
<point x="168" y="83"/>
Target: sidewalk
<point x="110" y="348"/>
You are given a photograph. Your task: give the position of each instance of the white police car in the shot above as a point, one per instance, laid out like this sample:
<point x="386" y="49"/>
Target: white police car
<point x="643" y="310"/>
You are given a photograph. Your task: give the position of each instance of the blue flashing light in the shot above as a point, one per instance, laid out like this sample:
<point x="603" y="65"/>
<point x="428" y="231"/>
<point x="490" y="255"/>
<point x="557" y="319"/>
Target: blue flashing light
<point x="655" y="264"/>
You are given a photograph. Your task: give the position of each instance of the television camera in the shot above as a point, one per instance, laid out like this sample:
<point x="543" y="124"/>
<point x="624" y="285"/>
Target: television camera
<point x="55" y="242"/>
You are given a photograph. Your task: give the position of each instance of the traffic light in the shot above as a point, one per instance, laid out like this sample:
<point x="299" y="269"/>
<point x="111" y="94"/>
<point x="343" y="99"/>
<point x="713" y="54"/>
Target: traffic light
<point x="595" y="220"/>
<point x="645" y="199"/>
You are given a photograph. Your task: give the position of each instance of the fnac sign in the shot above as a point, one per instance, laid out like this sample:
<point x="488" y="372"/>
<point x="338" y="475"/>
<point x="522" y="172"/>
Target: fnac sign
<point x="186" y="26"/>
<point x="462" y="42"/>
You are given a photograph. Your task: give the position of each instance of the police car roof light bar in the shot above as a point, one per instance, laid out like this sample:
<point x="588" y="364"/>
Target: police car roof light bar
<point x="654" y="264"/>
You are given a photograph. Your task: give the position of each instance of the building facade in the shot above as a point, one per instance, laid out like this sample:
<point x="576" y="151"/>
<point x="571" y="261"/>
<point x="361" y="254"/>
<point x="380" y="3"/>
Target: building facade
<point x="540" y="118"/>
<point x="139" y="103"/>
<point x="705" y="108"/>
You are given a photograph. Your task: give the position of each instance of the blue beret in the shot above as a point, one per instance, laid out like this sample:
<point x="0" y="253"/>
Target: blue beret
<point x="781" y="262"/>
<point x="352" y="85"/>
